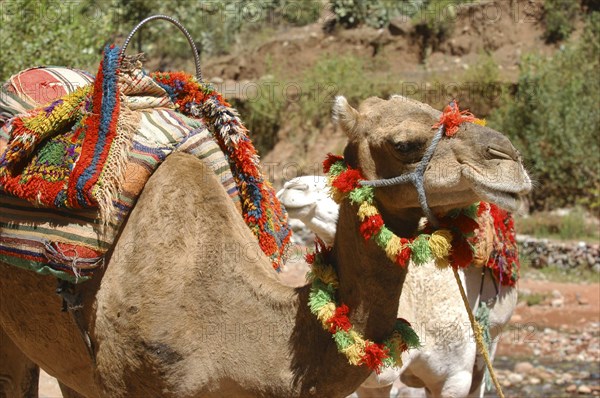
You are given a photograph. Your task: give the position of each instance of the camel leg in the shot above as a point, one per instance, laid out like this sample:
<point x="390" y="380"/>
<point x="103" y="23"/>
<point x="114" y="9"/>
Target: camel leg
<point x="478" y="385"/>
<point x="18" y="374"/>
<point x="381" y="392"/>
<point x="457" y="385"/>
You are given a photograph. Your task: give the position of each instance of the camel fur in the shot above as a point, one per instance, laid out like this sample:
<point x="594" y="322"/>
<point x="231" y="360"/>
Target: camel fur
<point x="188" y="305"/>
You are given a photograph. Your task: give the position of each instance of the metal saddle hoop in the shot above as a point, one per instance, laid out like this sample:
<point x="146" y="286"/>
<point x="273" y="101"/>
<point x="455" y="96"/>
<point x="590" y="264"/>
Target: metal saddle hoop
<point x="179" y="26"/>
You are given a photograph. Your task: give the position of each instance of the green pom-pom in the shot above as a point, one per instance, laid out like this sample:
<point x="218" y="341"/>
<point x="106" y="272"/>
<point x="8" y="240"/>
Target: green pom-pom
<point x="408" y="334"/>
<point x="319" y="296"/>
<point x="421" y="253"/>
<point x="471" y="211"/>
<point x="337" y="168"/>
<point x="342" y="339"/>
<point x="388" y="362"/>
<point x="383" y="237"/>
<point x="362" y="194"/>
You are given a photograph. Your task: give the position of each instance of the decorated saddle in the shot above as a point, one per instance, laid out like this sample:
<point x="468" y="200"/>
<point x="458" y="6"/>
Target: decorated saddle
<point x="75" y="159"/>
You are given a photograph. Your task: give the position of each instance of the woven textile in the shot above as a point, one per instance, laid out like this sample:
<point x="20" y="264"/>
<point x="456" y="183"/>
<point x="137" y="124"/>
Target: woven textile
<point x="35" y="87"/>
<point x="70" y="243"/>
<point x="142" y="125"/>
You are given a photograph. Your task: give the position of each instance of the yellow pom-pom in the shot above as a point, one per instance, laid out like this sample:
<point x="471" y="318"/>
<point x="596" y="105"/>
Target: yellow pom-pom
<point x="366" y="210"/>
<point x="337" y="195"/>
<point x="480" y="122"/>
<point x="357" y="339"/>
<point x="393" y="247"/>
<point x="355" y="351"/>
<point x="326" y="273"/>
<point x="440" y="244"/>
<point x="325" y="313"/>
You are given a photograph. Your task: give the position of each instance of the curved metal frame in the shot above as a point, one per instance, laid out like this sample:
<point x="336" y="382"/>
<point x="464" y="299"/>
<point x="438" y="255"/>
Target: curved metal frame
<point x="179" y="26"/>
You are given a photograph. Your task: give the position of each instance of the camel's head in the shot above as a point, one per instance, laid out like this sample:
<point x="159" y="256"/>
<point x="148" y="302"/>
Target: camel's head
<point x="388" y="138"/>
<point x="307" y="199"/>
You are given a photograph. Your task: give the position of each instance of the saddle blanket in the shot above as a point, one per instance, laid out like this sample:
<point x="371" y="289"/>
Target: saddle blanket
<point x="54" y="220"/>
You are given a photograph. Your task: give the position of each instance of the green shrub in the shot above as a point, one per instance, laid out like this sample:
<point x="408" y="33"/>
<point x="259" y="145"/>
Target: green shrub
<point x="373" y="13"/>
<point x="559" y="19"/>
<point x="73" y="33"/>
<point x="554" y="119"/>
<point x="577" y="224"/>
<point x="480" y="89"/>
<point x="305" y="103"/>
<point x="298" y="13"/>
<point x="35" y="32"/>
<point x="337" y="75"/>
<point x="435" y="22"/>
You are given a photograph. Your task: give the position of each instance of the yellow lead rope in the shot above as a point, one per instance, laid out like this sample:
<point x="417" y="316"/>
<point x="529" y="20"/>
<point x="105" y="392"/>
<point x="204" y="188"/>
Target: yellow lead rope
<point x="478" y="334"/>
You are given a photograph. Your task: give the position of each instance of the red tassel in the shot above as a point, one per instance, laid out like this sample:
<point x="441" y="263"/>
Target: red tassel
<point x="404" y="256"/>
<point x="371" y="226"/>
<point x="347" y="180"/>
<point x="340" y="320"/>
<point x="462" y="253"/>
<point x="374" y="356"/>
<point x="465" y="224"/>
<point x="452" y="119"/>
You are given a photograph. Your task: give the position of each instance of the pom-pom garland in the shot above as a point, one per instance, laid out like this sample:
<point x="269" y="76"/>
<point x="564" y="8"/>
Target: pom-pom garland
<point x="447" y="245"/>
<point x="335" y="320"/>
<point x="261" y="210"/>
<point x="504" y="259"/>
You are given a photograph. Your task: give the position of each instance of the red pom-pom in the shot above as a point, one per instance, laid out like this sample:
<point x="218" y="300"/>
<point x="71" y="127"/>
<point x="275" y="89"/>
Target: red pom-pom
<point x="340" y="320"/>
<point x="452" y="118"/>
<point x="374" y="356"/>
<point x="330" y="160"/>
<point x="465" y="224"/>
<point x="404" y="257"/>
<point x="462" y="253"/>
<point x="347" y="180"/>
<point x="371" y="226"/>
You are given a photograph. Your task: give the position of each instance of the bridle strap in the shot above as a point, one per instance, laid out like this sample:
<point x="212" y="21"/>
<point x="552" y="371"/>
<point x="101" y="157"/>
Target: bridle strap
<point x="417" y="178"/>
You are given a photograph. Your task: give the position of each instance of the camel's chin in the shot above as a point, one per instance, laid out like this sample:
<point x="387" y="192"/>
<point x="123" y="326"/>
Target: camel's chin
<point x="507" y="200"/>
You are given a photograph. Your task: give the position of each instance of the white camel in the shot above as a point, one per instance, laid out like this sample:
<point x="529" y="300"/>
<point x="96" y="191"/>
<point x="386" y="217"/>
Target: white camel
<point x="448" y="364"/>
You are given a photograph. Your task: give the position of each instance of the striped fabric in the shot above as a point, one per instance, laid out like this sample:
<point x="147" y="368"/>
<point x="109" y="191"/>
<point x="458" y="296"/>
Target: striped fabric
<point x="69" y="243"/>
<point x="35" y="87"/>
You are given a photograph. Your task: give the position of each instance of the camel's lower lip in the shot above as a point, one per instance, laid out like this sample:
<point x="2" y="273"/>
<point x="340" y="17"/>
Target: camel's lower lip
<point x="507" y="200"/>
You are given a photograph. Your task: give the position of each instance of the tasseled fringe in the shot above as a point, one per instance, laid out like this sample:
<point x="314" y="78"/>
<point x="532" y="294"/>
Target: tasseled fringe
<point x="108" y="187"/>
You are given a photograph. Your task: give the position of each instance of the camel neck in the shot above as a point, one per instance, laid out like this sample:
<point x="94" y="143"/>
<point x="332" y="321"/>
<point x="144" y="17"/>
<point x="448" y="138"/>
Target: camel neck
<point x="370" y="284"/>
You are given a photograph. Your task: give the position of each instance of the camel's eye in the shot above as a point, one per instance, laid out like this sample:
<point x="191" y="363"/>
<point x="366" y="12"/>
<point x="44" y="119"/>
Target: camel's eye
<point x="408" y="147"/>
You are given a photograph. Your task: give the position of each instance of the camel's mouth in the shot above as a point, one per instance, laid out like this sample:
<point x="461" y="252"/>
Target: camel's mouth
<point x="294" y="199"/>
<point x="504" y="187"/>
<point x="510" y="201"/>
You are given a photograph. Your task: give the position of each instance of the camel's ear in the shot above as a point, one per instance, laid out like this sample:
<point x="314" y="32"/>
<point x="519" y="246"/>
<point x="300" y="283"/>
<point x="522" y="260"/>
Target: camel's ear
<point x="346" y="116"/>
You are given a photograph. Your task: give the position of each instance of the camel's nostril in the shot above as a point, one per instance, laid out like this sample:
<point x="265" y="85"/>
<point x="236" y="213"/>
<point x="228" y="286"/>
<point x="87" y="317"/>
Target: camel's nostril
<point x="504" y="152"/>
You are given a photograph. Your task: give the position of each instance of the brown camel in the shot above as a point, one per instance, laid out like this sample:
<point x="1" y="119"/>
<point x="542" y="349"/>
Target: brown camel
<point x="188" y="305"/>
